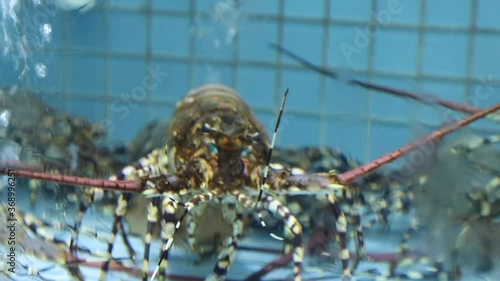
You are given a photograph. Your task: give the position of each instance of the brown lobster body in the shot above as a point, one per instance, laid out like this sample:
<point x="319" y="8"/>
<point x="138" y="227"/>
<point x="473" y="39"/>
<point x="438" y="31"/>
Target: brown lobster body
<point x="225" y="153"/>
<point x="222" y="159"/>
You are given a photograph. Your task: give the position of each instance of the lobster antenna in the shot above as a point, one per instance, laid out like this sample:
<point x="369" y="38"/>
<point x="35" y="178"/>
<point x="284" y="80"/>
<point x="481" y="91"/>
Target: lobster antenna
<point x="367" y="168"/>
<point x="31" y="172"/>
<point x="371" y="86"/>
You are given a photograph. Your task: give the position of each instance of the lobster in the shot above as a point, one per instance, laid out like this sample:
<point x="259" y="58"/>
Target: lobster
<point x="61" y="142"/>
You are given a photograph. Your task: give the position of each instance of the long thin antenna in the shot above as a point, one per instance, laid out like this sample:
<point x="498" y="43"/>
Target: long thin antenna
<point x="26" y="171"/>
<point x="268" y="162"/>
<point x="326" y="181"/>
<point x="367" y="168"/>
<point x="422" y="98"/>
<point x="266" y="169"/>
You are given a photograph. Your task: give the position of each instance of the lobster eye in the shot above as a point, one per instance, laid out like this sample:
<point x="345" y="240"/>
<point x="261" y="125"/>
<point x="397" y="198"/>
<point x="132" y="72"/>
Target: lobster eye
<point x="206" y="128"/>
<point x="18" y="140"/>
<point x="255" y="137"/>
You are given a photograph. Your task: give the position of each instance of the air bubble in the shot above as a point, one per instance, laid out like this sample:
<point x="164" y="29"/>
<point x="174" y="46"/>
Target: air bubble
<point x="41" y="70"/>
<point x="46" y="32"/>
<point x="4" y="119"/>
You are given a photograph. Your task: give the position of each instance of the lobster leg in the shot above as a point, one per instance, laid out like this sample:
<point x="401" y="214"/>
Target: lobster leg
<point x="89" y="196"/>
<point x="360" y="241"/>
<point x="130" y="249"/>
<point x="294" y="234"/>
<point x="228" y="253"/>
<point x="120" y="211"/>
<point x="169" y="226"/>
<point x="341" y="227"/>
<point x="153" y="209"/>
<point x="149" y="166"/>
<point x="191" y="232"/>
<point x="193" y="228"/>
<point x="291" y="223"/>
<point x="39" y="228"/>
<point x="170" y="231"/>
<point x="49" y="248"/>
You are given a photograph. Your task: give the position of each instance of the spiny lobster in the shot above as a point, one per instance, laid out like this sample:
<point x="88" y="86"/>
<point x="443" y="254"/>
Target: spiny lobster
<point x="216" y="158"/>
<point x="60" y="142"/>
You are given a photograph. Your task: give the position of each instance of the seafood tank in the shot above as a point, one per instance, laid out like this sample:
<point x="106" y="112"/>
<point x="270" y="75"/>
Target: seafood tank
<point x="140" y="140"/>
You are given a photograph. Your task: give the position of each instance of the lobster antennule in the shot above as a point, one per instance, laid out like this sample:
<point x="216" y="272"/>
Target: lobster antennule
<point x="119" y="185"/>
<point x="365" y="169"/>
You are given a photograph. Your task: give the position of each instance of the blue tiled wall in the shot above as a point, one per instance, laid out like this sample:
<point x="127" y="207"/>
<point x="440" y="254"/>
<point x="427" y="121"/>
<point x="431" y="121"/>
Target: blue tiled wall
<point x="429" y="47"/>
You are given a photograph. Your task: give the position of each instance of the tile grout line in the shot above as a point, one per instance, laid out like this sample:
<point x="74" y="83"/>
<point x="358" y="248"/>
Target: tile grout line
<point x="323" y="80"/>
<point x="371" y="51"/>
<point x="470" y="49"/>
